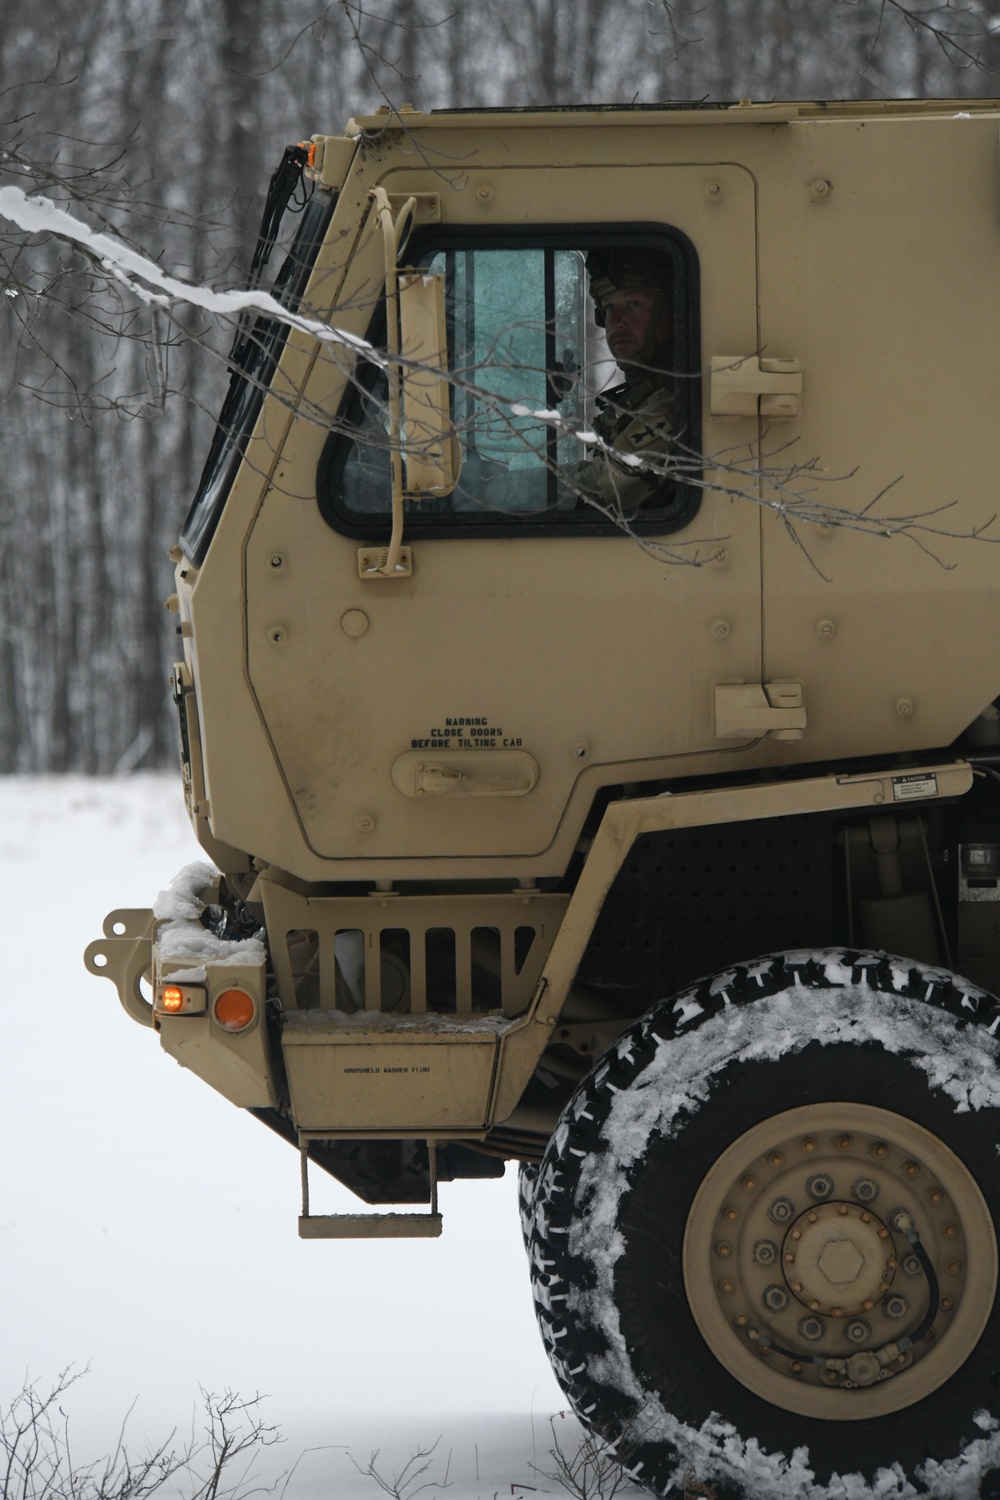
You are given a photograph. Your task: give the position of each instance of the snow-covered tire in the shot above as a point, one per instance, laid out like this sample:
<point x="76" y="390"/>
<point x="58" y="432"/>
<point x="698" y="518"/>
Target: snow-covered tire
<point x="527" y="1178"/>
<point x="888" y="1072"/>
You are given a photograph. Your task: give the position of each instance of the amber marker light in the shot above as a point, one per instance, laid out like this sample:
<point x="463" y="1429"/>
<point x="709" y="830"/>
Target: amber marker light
<point x="173" y="999"/>
<point x="234" y="1010"/>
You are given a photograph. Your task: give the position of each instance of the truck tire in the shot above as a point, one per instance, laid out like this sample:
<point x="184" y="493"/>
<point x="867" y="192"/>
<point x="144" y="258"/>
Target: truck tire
<point x="762" y="1238"/>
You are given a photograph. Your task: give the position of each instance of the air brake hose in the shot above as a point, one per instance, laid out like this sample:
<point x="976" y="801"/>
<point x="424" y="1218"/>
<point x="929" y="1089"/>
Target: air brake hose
<point x="904" y="1344"/>
<point x="933" y="1292"/>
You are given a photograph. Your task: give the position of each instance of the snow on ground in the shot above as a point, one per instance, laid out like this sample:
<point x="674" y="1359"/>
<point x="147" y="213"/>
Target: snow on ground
<point x="148" y="1228"/>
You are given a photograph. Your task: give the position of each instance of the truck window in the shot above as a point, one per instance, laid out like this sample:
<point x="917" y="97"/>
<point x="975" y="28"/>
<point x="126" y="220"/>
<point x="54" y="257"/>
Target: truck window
<point x="533" y="382"/>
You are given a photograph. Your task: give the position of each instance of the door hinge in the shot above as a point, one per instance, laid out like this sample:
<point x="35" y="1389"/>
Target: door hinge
<point x="749" y="710"/>
<point x="747" y="386"/>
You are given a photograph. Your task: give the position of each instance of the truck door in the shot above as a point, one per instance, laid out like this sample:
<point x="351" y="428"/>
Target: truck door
<point x="892" y="636"/>
<point x="546" y="643"/>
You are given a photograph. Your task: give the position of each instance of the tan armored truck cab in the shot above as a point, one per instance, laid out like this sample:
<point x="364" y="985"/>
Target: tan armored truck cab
<point x="588" y="622"/>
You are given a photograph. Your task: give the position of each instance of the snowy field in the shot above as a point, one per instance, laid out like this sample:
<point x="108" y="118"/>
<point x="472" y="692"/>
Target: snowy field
<point x="148" y="1229"/>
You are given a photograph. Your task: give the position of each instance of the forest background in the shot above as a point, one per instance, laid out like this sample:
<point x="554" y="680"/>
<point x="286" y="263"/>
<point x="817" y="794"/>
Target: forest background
<point x="162" y="120"/>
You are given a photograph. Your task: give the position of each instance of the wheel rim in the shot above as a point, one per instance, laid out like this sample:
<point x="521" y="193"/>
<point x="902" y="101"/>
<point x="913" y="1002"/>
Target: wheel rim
<point x="800" y="1275"/>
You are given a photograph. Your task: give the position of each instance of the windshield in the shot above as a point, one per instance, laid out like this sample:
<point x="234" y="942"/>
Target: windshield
<point x="253" y="361"/>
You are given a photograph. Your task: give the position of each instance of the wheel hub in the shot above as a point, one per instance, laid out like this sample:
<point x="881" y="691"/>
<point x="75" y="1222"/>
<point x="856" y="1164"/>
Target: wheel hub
<point x="838" y="1259"/>
<point x="804" y="1261"/>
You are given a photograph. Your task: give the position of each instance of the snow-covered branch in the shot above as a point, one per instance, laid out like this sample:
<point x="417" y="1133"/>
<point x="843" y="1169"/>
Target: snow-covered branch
<point x="148" y="282"/>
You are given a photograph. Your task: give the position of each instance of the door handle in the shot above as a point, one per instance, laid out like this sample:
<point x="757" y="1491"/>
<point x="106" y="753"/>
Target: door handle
<point x="465" y="773"/>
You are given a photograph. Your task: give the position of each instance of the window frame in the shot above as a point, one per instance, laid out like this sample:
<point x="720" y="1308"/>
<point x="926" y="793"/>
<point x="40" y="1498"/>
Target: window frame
<point x="686" y="308"/>
<point x="250" y="380"/>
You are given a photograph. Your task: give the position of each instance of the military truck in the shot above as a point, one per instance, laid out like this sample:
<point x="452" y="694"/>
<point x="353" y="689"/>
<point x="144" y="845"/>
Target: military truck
<point x="654" y="847"/>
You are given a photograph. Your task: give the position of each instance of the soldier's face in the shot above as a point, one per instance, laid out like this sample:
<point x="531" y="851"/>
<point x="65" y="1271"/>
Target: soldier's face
<point x="627" y="315"/>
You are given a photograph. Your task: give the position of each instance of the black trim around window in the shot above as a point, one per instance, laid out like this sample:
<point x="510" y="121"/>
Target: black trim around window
<point x="421" y="521"/>
<point x="256" y="352"/>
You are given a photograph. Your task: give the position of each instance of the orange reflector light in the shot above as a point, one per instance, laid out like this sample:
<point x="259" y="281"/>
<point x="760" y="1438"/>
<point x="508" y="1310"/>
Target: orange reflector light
<point x="234" y="1009"/>
<point x="171" y="997"/>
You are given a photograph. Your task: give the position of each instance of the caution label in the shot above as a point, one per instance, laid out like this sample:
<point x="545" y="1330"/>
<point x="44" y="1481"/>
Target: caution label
<point x="917" y="784"/>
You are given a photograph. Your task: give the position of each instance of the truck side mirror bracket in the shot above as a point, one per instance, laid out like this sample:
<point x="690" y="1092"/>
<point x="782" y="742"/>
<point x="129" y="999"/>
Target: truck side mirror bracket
<point x="419" y="394"/>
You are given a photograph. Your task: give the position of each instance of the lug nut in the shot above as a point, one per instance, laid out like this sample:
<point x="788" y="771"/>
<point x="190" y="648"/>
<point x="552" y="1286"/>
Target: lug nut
<point x="726" y="1286"/>
<point x="809" y="1144"/>
<point x="946" y="1304"/>
<point x="954" y="1266"/>
<point x="911" y="1169"/>
<point x="845" y="1143"/>
<point x="896" y="1306"/>
<point x="911" y="1265"/>
<point x="776" y="1298"/>
<point x="781" y="1210"/>
<point x="775" y="1159"/>
<point x="865" y="1190"/>
<point x="934" y="1195"/>
<point x="765" y="1253"/>
<point x="749" y="1184"/>
<point x="723" y="1249"/>
<point x="859" y="1331"/>
<point x="812" y="1328"/>
<point x="820" y="1185"/>
<point x="950" y="1231"/>
<point x="732" y="1214"/>
<point x="880" y="1150"/>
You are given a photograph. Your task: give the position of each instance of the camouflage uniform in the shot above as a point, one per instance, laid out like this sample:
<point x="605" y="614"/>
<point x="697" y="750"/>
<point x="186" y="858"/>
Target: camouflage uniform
<point x="637" y="418"/>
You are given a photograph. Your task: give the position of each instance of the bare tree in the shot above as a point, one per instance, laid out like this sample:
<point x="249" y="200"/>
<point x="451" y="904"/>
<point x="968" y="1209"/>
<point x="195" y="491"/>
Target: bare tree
<point x="159" y="123"/>
<point x="38" y="1461"/>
